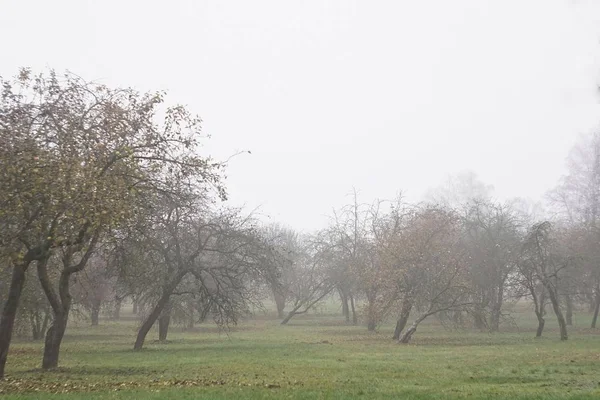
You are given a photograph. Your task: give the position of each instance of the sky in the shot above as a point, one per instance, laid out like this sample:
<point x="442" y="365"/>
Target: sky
<point x="381" y="96"/>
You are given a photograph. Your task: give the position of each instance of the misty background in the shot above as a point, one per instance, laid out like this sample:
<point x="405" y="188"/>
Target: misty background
<point x="383" y="96"/>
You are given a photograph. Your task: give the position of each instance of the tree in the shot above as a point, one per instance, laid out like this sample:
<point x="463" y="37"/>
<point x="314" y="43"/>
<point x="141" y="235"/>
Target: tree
<point x="435" y="265"/>
<point x="216" y="256"/>
<point x="284" y="242"/>
<point x="542" y="260"/>
<point x="492" y="239"/>
<point x="95" y="286"/>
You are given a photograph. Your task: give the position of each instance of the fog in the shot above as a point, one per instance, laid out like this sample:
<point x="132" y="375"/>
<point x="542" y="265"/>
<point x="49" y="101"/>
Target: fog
<point x="381" y="96"/>
<point x="300" y="199"/>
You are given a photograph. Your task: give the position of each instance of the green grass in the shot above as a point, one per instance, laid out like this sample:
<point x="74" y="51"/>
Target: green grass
<point x="313" y="357"/>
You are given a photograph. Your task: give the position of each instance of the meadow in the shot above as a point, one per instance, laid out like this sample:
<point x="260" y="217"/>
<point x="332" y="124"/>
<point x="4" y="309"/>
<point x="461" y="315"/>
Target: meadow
<point x="317" y="356"/>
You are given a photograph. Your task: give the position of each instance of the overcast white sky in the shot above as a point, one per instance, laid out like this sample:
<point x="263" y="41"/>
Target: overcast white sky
<point x="328" y="95"/>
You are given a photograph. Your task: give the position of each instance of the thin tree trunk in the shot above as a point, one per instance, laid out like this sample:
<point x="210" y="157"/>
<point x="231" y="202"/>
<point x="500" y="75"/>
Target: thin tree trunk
<point x="541" y="323"/>
<point x="540" y="308"/>
<point x="280" y="303"/>
<point x="404" y="315"/>
<point x="371" y="314"/>
<point x="308" y="307"/>
<point x="191" y="315"/>
<point x="345" y="307"/>
<point x="291" y="314"/>
<point x="35" y="323"/>
<point x="569" y="313"/>
<point x="44" y="325"/>
<point x="95" y="315"/>
<point x="354" y="316"/>
<point x="117" y="309"/>
<point x="9" y="312"/>
<point x="479" y="319"/>
<point x="596" y="309"/>
<point x="135" y="306"/>
<point x="371" y="325"/>
<point x="559" y="315"/>
<point x="497" y="309"/>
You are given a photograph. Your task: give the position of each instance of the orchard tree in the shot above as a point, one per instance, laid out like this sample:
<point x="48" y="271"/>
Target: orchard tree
<point x="436" y="266"/>
<point x="492" y="239"/>
<point x="285" y="246"/>
<point x="544" y="257"/>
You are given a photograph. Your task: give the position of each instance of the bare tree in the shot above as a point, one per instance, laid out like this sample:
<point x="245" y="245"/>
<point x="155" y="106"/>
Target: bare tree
<point x="544" y="260"/>
<point x="492" y="238"/>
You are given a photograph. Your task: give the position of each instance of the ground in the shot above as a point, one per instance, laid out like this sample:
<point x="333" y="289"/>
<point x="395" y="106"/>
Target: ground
<point x="314" y="357"/>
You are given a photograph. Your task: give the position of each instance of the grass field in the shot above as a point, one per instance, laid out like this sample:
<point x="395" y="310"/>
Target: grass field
<point x="314" y="357"/>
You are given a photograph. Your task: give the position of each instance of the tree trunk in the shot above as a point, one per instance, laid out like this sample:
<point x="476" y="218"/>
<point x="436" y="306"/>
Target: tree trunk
<point x="404" y="315"/>
<point x="596" y="309"/>
<point x="539" y="301"/>
<point x="354" y="316"/>
<point x="457" y="318"/>
<point x="569" y="313"/>
<point x="372" y="319"/>
<point x="95" y="315"/>
<point x="54" y="337"/>
<point x="497" y="309"/>
<point x="541" y="323"/>
<point x="407" y="335"/>
<point x="60" y="308"/>
<point x="149" y="322"/>
<point x="117" y="309"/>
<point x="345" y="307"/>
<point x="479" y="319"/>
<point x="9" y="312"/>
<point x="44" y="328"/>
<point x="191" y="315"/>
<point x="280" y="303"/>
<point x="163" y="324"/>
<point x="559" y="315"/>
<point x="34" y="326"/>
<point x="371" y="325"/>
<point x="293" y="312"/>
<point x="135" y="306"/>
